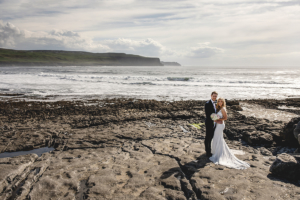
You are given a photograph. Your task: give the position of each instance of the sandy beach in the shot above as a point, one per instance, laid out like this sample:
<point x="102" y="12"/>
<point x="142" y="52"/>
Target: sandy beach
<point x="141" y="149"/>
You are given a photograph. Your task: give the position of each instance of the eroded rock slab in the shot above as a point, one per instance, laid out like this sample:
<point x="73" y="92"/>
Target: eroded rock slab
<point x="132" y="171"/>
<point x="135" y="149"/>
<point x="12" y="172"/>
<point x="218" y="182"/>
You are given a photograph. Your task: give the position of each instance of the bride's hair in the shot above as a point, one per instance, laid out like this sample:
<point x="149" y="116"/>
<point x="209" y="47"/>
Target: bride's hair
<point x="223" y="105"/>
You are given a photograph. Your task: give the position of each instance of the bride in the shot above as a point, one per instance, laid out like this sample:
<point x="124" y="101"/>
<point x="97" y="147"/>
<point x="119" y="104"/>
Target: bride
<point x="222" y="155"/>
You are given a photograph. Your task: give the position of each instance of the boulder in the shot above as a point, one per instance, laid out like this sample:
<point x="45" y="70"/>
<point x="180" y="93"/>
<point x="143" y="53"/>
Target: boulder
<point x="276" y="137"/>
<point x="297" y="132"/>
<point x="297" y="136"/>
<point x="265" y="152"/>
<point x="231" y="134"/>
<point x="232" y="102"/>
<point x="265" y="138"/>
<point x="237" y="108"/>
<point x="250" y="137"/>
<point x="288" y="132"/>
<point x="286" y="166"/>
<point x="235" y="131"/>
<point x="257" y="137"/>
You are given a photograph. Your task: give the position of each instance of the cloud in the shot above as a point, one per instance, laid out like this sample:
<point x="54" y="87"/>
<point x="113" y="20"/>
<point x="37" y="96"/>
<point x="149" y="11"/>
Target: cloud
<point x="64" y="33"/>
<point x="148" y="46"/>
<point x="204" y="50"/>
<point x="236" y="29"/>
<point x="9" y="33"/>
<point x="12" y="37"/>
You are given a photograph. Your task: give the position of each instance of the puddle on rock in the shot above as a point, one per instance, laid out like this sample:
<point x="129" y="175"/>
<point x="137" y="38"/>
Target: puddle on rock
<point x="258" y="111"/>
<point x="39" y="152"/>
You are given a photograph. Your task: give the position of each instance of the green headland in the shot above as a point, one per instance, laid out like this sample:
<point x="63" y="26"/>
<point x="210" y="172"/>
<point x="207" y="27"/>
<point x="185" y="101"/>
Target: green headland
<point x="9" y="57"/>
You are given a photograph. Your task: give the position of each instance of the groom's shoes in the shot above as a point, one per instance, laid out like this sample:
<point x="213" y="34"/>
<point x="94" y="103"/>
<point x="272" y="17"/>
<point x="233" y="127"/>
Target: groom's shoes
<point x="208" y="155"/>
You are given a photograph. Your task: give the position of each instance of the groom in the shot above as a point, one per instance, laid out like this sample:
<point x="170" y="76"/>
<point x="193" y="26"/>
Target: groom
<point x="210" y="107"/>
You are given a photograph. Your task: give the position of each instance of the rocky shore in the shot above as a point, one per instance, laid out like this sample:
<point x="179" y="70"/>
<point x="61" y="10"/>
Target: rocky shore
<point x="145" y="149"/>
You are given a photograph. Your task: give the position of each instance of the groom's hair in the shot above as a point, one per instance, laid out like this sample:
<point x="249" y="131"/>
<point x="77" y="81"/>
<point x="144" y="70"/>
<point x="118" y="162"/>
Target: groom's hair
<point x="214" y="92"/>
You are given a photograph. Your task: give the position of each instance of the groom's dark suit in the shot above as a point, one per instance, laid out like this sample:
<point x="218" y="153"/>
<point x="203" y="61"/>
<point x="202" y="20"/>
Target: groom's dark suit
<point x="209" y="124"/>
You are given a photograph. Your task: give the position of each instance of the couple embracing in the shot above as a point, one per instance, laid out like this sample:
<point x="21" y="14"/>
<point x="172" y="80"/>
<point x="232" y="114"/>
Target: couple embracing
<point x="215" y="145"/>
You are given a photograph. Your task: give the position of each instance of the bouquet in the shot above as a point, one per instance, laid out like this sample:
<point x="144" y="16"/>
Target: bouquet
<point x="214" y="116"/>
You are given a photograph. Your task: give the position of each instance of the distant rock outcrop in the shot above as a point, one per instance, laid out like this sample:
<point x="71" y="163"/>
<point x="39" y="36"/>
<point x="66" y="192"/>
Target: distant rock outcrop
<point x="170" y="63"/>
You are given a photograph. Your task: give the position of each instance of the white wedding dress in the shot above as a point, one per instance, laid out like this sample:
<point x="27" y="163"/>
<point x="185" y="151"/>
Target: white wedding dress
<point x="222" y="155"/>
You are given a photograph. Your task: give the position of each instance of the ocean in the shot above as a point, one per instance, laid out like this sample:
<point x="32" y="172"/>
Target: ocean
<point x="160" y="83"/>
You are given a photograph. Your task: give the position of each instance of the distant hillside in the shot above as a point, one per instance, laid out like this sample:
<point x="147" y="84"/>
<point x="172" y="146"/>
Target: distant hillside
<point x="170" y="63"/>
<point x="10" y="57"/>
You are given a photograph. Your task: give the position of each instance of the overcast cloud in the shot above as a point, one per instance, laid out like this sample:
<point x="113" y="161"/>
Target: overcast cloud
<point x="208" y="32"/>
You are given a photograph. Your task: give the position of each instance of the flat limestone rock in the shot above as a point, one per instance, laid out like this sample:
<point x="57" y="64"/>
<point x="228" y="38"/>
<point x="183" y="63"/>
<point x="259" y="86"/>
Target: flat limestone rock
<point x="134" y="149"/>
<point x="210" y="181"/>
<point x="103" y="173"/>
<point x="13" y="171"/>
<point x="218" y="182"/>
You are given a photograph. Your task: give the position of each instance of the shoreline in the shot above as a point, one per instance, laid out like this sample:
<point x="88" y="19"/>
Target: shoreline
<point x="20" y="108"/>
<point x="103" y="97"/>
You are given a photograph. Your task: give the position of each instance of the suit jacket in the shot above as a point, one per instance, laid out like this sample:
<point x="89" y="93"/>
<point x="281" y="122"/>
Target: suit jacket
<point x="209" y="109"/>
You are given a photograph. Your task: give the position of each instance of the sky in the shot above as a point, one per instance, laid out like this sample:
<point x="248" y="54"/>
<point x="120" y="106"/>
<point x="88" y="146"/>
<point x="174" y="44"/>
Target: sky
<point x="191" y="32"/>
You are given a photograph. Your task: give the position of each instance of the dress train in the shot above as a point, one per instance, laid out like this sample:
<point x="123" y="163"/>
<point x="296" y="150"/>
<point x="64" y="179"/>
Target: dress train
<point x="222" y="155"/>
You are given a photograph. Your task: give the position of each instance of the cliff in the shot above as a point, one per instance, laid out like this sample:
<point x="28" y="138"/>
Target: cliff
<point x="10" y="57"/>
<point x="170" y="63"/>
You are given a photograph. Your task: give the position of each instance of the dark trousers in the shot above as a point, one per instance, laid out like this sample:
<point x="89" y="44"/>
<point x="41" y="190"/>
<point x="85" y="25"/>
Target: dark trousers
<point x="209" y="136"/>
